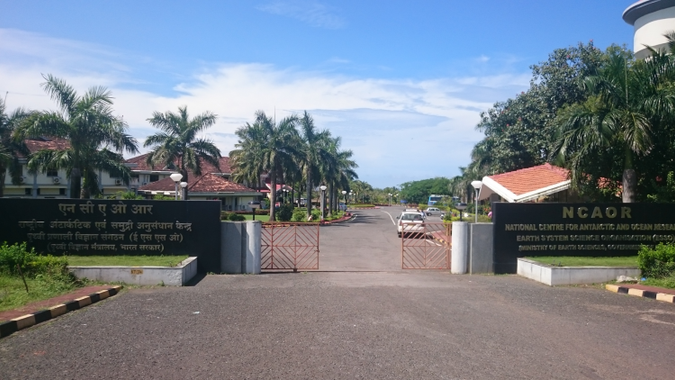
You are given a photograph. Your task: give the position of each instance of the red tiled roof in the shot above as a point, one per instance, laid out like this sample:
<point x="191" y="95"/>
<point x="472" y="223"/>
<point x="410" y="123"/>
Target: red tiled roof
<point x="50" y="143"/>
<point x="530" y="179"/>
<point x="141" y="164"/>
<point x="208" y="183"/>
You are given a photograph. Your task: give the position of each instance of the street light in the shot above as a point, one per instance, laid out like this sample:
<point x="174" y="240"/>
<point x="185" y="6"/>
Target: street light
<point x="183" y="185"/>
<point x="254" y="206"/>
<point x="389" y="199"/>
<point x="461" y="207"/>
<point x="351" y="195"/>
<point x="323" y="195"/>
<point x="176" y="177"/>
<point x="344" y="194"/>
<point x="476" y="185"/>
<point x="285" y="195"/>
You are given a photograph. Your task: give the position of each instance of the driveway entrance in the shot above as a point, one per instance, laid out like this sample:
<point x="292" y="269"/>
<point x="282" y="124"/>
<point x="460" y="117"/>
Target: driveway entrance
<point x="426" y="246"/>
<point x="289" y="246"/>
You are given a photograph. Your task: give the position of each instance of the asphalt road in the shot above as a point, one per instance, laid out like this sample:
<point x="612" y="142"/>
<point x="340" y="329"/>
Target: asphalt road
<point x="361" y="324"/>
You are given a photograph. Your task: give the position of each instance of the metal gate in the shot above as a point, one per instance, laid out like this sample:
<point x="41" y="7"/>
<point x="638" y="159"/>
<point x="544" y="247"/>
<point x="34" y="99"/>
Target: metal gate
<point x="287" y="246"/>
<point x="426" y="245"/>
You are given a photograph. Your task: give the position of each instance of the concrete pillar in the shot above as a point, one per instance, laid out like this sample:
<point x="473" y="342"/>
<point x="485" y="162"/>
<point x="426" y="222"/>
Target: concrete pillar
<point x="252" y="259"/>
<point x="480" y="252"/>
<point x="460" y="248"/>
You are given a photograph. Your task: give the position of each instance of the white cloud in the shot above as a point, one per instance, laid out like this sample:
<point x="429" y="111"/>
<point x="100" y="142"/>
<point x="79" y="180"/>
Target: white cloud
<point x="399" y="130"/>
<point x="312" y="13"/>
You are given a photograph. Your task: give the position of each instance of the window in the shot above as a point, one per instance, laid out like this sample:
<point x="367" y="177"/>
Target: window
<point x="154" y="177"/>
<point x="52" y="173"/>
<point x="62" y="191"/>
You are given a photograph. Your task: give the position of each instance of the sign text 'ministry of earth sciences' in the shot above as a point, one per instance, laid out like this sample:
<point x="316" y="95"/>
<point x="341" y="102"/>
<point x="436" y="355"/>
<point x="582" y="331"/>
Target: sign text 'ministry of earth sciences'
<point x="566" y="229"/>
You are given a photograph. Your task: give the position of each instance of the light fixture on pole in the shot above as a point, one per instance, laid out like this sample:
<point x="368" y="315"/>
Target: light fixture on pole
<point x="254" y="206"/>
<point x="461" y="207"/>
<point x="476" y="185"/>
<point x="344" y="194"/>
<point x="389" y="199"/>
<point x="351" y="195"/>
<point x="323" y="195"/>
<point x="176" y="177"/>
<point x="184" y="186"/>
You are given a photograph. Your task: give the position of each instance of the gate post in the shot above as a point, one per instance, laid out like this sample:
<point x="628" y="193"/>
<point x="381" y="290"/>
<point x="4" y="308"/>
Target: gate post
<point x="253" y="247"/>
<point x="460" y="247"/>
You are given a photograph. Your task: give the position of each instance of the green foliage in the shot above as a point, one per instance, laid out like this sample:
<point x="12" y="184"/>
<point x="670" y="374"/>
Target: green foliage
<point x="285" y="212"/>
<point x="418" y="192"/>
<point x="316" y="215"/>
<point x="234" y="217"/>
<point x="162" y="197"/>
<point x="663" y="193"/>
<point x="657" y="262"/>
<point x="299" y="215"/>
<point x="13" y="255"/>
<point x="31" y="263"/>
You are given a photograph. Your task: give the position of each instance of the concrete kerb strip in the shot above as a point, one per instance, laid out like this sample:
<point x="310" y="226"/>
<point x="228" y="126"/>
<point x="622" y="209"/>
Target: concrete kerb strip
<point x="28" y="320"/>
<point x="670" y="298"/>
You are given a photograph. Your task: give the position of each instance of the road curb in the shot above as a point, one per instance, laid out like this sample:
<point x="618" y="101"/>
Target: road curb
<point x="28" y="320"/>
<point x="669" y="298"/>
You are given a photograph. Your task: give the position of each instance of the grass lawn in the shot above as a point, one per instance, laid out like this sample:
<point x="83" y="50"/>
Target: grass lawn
<point x="360" y="205"/>
<point x="668" y="282"/>
<point x="262" y="218"/>
<point x="13" y="292"/>
<point x="162" y="261"/>
<point x="574" y="261"/>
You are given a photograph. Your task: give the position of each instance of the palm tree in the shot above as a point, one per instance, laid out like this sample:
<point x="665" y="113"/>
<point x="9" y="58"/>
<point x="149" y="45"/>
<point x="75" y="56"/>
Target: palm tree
<point x="178" y="146"/>
<point x="626" y="100"/>
<point x="96" y="137"/>
<point x="314" y="151"/>
<point x="267" y="146"/>
<point x="338" y="169"/>
<point x="10" y="149"/>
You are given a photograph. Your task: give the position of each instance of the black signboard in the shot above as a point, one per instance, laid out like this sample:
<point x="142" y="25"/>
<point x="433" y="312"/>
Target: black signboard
<point x="115" y="227"/>
<point x="577" y="229"/>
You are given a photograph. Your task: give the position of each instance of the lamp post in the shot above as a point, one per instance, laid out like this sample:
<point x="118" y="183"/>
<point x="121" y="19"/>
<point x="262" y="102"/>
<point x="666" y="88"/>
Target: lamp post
<point x="461" y="207"/>
<point x="183" y="185"/>
<point x="344" y="194"/>
<point x="351" y="195"/>
<point x="254" y="206"/>
<point x="285" y="195"/>
<point x="176" y="177"/>
<point x="389" y="199"/>
<point x="323" y="195"/>
<point x="476" y="185"/>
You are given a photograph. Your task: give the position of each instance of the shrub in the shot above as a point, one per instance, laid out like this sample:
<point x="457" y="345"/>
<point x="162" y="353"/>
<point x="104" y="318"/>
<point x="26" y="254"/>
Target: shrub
<point x="11" y="255"/>
<point x="657" y="262"/>
<point x="316" y="215"/>
<point x="285" y="212"/>
<point x="299" y="215"/>
<point x="234" y="217"/>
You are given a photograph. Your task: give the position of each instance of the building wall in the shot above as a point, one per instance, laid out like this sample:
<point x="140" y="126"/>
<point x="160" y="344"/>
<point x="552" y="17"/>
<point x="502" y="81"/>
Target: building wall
<point x="649" y="30"/>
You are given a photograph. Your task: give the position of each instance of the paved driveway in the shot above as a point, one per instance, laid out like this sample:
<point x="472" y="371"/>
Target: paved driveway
<point x="353" y="325"/>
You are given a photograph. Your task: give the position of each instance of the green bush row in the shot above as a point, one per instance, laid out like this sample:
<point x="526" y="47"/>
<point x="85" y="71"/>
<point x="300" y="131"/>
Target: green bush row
<point x="657" y="262"/>
<point x="13" y="257"/>
<point x="231" y="216"/>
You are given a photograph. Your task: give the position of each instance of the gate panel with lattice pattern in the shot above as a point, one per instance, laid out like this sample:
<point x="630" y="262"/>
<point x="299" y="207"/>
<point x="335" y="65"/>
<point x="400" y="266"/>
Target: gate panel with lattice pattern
<point x="290" y="246"/>
<point x="426" y="245"/>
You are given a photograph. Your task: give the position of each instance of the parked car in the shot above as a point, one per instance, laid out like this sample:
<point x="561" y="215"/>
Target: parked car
<point x="410" y="222"/>
<point x="432" y="210"/>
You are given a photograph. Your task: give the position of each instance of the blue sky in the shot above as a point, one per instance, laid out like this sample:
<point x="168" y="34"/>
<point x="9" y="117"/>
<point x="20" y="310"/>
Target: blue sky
<point x="402" y="82"/>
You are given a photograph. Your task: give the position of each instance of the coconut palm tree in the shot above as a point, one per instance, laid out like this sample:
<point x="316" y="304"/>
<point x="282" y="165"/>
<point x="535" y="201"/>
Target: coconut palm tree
<point x="338" y="170"/>
<point x="178" y="145"/>
<point x="627" y="99"/>
<point x="267" y="146"/>
<point x="10" y="149"/>
<point x="97" y="138"/>
<point x="314" y="151"/>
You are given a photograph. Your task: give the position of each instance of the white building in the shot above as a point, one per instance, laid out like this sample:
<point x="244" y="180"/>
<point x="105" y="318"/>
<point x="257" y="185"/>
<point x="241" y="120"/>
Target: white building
<point x="651" y="19"/>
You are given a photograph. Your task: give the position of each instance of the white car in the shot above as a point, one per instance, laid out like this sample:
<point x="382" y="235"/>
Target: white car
<point x="410" y="222"/>
<point x="432" y="210"/>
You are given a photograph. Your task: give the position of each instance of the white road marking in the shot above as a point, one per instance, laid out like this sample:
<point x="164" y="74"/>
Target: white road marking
<point x="390" y="217"/>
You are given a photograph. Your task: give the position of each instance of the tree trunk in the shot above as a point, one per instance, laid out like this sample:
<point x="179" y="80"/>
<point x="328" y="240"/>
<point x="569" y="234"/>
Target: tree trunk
<point x="309" y="193"/>
<point x="330" y="199"/>
<point x="3" y="171"/>
<point x="75" y="183"/>
<point x="273" y="192"/>
<point x="184" y="190"/>
<point x="629" y="185"/>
